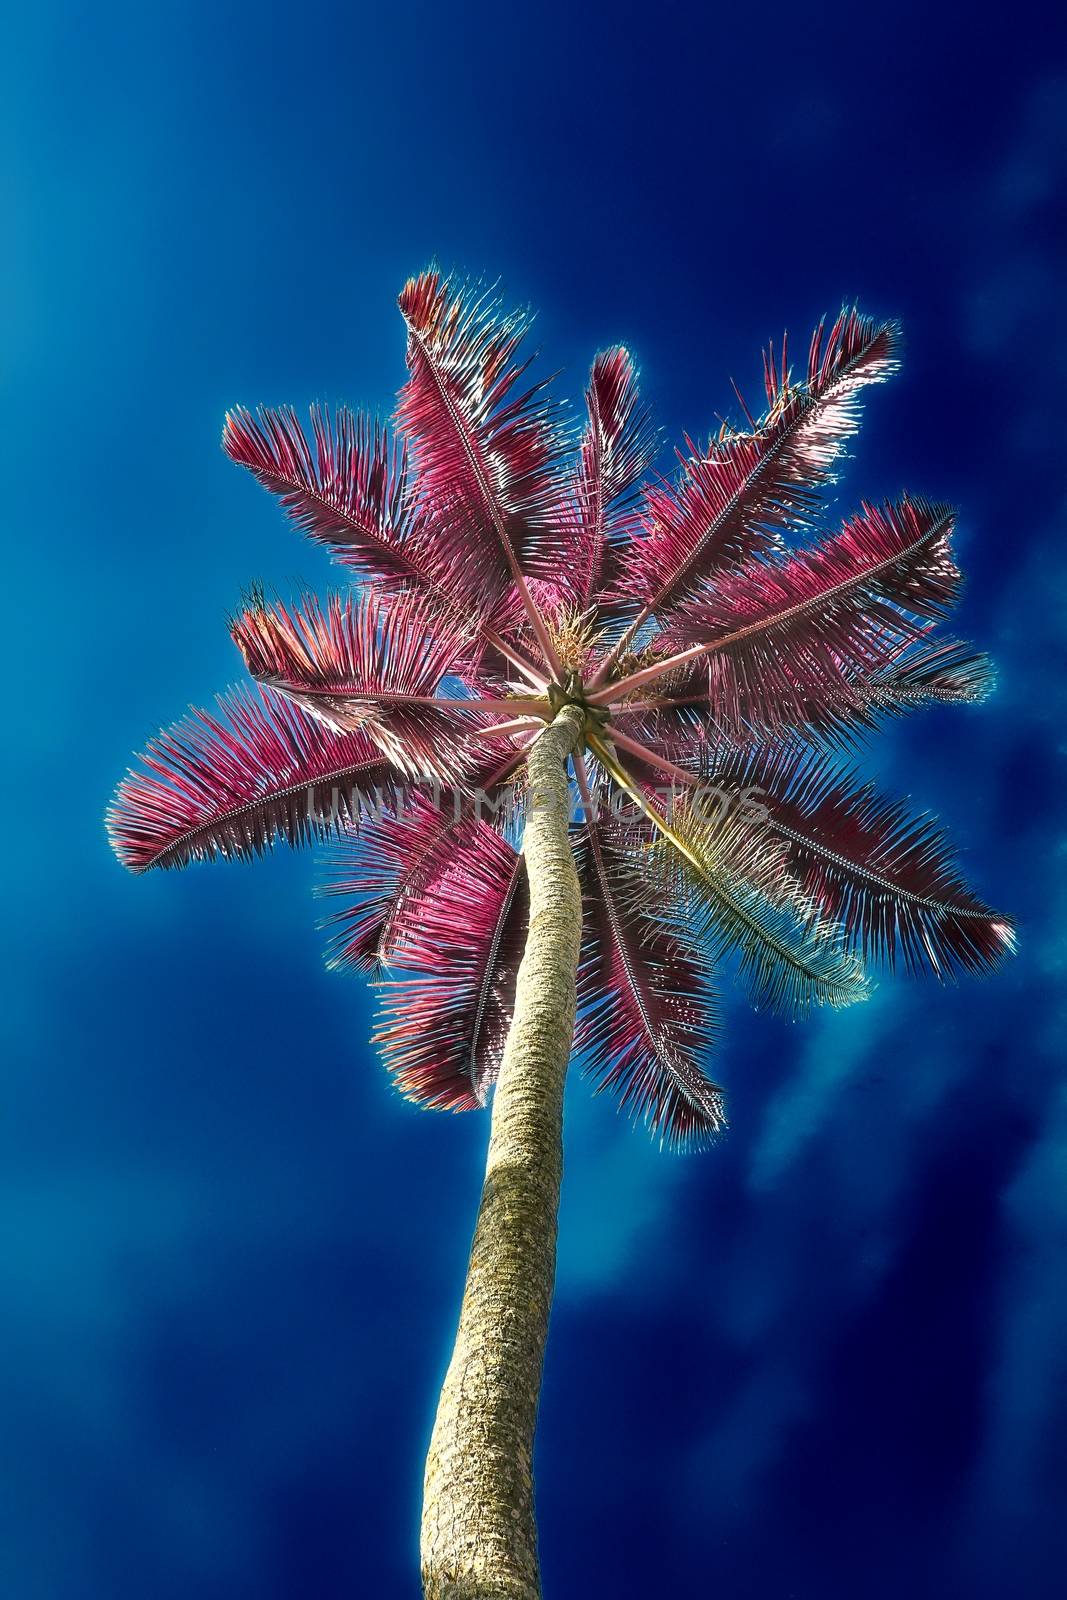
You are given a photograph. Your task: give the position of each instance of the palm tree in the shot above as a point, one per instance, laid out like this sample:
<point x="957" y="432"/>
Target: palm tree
<point x="694" y="656"/>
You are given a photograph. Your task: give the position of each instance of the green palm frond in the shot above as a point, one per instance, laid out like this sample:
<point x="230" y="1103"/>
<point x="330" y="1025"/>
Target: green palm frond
<point x="727" y="879"/>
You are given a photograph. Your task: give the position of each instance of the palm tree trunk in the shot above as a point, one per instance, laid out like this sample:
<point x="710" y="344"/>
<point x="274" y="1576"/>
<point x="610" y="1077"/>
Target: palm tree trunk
<point x="479" y="1540"/>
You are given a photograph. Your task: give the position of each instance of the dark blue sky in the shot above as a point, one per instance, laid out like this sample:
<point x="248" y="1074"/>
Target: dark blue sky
<point x="826" y="1358"/>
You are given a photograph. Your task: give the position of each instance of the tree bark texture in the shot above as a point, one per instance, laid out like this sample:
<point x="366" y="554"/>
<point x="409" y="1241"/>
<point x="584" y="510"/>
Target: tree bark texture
<point x="479" y="1540"/>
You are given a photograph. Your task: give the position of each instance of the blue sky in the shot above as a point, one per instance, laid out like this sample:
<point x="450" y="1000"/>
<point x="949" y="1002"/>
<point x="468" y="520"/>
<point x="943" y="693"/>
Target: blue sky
<point x="826" y="1357"/>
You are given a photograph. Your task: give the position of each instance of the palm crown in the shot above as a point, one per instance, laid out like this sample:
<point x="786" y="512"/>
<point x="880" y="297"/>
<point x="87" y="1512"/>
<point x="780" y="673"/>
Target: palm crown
<point x="725" y="650"/>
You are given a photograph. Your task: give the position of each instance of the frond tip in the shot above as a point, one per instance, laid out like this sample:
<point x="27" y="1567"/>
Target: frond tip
<point x="881" y="873"/>
<point x="347" y="487"/>
<point x="231" y="784"/>
<point x="486" y="449"/>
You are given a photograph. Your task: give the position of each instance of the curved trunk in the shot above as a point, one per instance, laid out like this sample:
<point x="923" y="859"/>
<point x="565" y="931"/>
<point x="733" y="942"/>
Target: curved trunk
<point x="479" y="1541"/>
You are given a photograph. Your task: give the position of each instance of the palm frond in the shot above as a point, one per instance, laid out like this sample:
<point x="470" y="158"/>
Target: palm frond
<point x="724" y="882"/>
<point x="348" y="486"/>
<point x="931" y="672"/>
<point x="230" y="785"/>
<point x="486" y="449"/>
<point x="690" y="531"/>
<point x="616" y="449"/>
<point x="460" y="930"/>
<point x="926" y="672"/>
<point x="783" y="636"/>
<point x="884" y="874"/>
<point x="646" y="1011"/>
<point x="371" y="661"/>
<point x="737" y="496"/>
<point x="813" y="421"/>
<point x="676" y="718"/>
<point x="374" y="870"/>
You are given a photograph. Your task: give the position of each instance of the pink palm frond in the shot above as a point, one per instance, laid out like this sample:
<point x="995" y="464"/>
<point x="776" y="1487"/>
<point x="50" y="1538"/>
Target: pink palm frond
<point x="230" y="785"/>
<point x="816" y="419"/>
<point x="647" y="1015"/>
<point x="487" y="450"/>
<point x="461" y="929"/>
<point x="779" y="635"/>
<point x="349" y="487"/>
<point x="616" y="449"/>
<point x="372" y="662"/>
<point x="374" y="870"/>
<point x="885" y="875"/>
<point x="691" y="532"/>
<point x="737" y="496"/>
<point x="675" y="715"/>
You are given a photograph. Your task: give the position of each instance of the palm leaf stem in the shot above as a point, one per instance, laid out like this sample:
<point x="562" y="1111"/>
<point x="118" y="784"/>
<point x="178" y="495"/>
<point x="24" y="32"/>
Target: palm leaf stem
<point x="516" y="657"/>
<point x="489" y="499"/>
<point x="644" y="753"/>
<point x="516" y="725"/>
<point x="813" y="602"/>
<point x="625" y="782"/>
<point x="621" y="643"/>
<point x="732" y="903"/>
